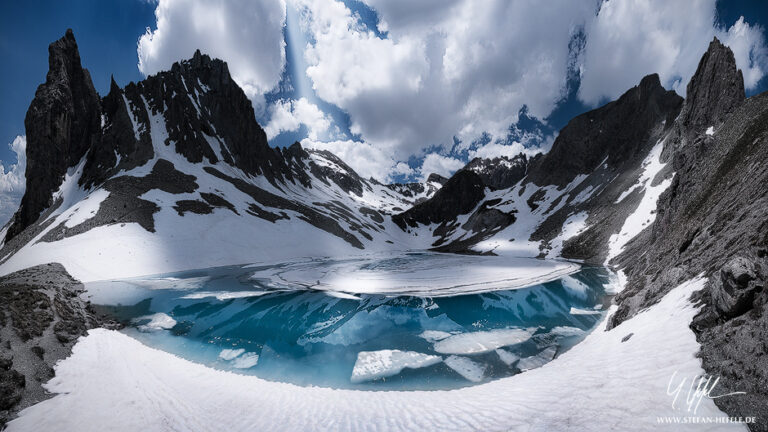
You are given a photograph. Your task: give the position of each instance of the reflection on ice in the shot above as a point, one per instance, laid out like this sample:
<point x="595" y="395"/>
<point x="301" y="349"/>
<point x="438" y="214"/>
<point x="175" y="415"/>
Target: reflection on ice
<point x="415" y="274"/>
<point x="249" y="319"/>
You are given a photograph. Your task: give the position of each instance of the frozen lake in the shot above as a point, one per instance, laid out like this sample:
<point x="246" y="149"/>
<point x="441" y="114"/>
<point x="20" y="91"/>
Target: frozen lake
<point x="409" y="321"/>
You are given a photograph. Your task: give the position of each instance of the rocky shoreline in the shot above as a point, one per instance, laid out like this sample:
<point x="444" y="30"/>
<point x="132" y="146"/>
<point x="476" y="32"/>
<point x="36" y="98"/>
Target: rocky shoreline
<point x="41" y="318"/>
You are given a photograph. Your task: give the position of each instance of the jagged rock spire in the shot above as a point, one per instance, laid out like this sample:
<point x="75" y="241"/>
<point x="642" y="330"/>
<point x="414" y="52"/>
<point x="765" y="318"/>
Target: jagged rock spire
<point x="62" y="123"/>
<point x="716" y="88"/>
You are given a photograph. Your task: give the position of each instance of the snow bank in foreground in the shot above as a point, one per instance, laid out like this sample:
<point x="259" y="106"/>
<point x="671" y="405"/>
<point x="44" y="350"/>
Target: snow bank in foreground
<point x="113" y="382"/>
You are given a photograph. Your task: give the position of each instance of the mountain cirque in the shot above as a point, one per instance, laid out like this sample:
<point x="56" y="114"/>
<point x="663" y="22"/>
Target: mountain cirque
<point x="660" y="188"/>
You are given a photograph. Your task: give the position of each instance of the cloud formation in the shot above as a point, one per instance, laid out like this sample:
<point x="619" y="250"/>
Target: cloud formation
<point x="432" y="70"/>
<point x="247" y="34"/>
<point x="630" y="39"/>
<point x="438" y="164"/>
<point x="289" y="115"/>
<point x="455" y="69"/>
<point x="13" y="181"/>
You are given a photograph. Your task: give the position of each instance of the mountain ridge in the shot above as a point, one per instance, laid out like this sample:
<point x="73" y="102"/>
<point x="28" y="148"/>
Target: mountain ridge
<point x="659" y="188"/>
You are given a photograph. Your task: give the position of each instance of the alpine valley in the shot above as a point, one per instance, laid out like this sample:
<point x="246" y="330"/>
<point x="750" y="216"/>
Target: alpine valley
<point x="668" y="196"/>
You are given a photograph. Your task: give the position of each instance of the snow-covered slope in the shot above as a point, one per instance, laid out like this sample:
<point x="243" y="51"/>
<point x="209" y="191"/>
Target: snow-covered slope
<point x="179" y="176"/>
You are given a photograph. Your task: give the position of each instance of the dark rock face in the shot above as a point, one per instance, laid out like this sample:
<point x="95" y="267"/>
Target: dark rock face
<point x="62" y="123"/>
<point x="41" y="317"/>
<point x="734" y="287"/>
<point x="715" y="90"/>
<point x="712" y="221"/>
<point x="459" y="195"/>
<point x="118" y="131"/>
<point x="614" y="133"/>
<point x="436" y="178"/>
<point x="607" y="144"/>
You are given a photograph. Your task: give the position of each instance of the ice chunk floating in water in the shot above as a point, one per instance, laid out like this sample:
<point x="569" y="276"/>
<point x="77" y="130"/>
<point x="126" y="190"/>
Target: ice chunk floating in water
<point x="154" y="322"/>
<point x="482" y="342"/>
<point x="377" y="364"/>
<point x="465" y="367"/>
<point x="256" y="320"/>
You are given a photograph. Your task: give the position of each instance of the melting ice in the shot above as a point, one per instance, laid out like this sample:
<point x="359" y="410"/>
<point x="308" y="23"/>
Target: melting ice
<point x="270" y="321"/>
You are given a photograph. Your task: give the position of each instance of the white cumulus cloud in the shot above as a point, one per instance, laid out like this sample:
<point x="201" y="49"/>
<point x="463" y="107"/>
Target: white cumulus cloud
<point x="13" y="181"/>
<point x="438" y="164"/>
<point x="443" y="68"/>
<point x="630" y="39"/>
<point x="289" y="115"/>
<point x="367" y="160"/>
<point x="247" y="34"/>
<point x="457" y="70"/>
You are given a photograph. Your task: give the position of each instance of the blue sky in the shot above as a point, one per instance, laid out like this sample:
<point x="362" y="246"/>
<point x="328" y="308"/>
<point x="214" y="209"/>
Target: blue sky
<point x="350" y="118"/>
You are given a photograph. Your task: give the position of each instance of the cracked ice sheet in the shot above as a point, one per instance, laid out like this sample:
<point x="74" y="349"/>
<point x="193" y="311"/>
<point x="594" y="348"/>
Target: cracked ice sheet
<point x="113" y="382"/>
<point x="421" y="275"/>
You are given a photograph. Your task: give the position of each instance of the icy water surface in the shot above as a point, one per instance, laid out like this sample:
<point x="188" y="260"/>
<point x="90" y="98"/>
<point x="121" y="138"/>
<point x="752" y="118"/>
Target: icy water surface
<point x="307" y="323"/>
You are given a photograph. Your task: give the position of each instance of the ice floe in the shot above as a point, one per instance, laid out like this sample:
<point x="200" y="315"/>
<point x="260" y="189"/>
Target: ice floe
<point x="245" y="361"/>
<point x="467" y="368"/>
<point x="158" y="321"/>
<point x="566" y="331"/>
<point x="224" y="295"/>
<point x="434" y="335"/>
<point x="579" y="311"/>
<point x="371" y="365"/>
<point x="507" y="357"/>
<point x="481" y="342"/>
<point x="229" y="354"/>
<point x="538" y="360"/>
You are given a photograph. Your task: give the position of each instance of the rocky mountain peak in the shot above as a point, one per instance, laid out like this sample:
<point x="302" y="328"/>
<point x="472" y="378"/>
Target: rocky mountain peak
<point x="716" y="88"/>
<point x="500" y="172"/>
<point x="436" y="178"/>
<point x="615" y="133"/>
<point x="62" y="123"/>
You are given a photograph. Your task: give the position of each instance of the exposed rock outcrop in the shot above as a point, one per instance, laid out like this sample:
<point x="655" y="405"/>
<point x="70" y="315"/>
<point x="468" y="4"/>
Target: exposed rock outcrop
<point x="459" y="195"/>
<point x="712" y="221"/>
<point x="613" y="133"/>
<point x="715" y="90"/>
<point x="62" y="124"/>
<point x="41" y="317"/>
